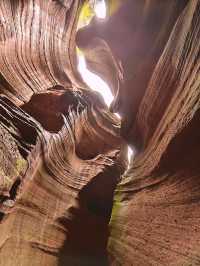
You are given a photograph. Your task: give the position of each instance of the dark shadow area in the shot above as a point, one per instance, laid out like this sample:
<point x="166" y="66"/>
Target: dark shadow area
<point x="87" y="231"/>
<point x="182" y="152"/>
<point x="13" y="191"/>
<point x="49" y="106"/>
<point x="14" y="188"/>
<point x="1" y="216"/>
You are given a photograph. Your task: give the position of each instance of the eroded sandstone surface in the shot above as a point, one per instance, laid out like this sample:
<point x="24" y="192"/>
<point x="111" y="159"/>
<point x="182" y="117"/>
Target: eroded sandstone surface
<point x="67" y="193"/>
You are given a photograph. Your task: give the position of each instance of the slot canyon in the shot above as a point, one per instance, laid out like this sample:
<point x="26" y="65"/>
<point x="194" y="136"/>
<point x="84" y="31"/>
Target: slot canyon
<point x="99" y="132"/>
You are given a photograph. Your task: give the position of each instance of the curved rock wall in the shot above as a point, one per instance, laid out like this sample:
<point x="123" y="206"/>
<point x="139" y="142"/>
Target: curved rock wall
<point x="62" y="152"/>
<point x="155" y="215"/>
<point x="36" y="44"/>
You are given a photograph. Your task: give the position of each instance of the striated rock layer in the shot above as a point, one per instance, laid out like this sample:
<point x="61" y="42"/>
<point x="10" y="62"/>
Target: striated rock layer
<point x="54" y="215"/>
<point x="61" y="155"/>
<point x="155" y="217"/>
<point x="62" y="152"/>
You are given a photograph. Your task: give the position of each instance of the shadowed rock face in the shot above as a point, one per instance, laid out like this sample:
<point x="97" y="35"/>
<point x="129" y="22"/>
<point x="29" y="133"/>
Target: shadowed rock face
<point x="62" y="152"/>
<point x="60" y="147"/>
<point x="154" y="218"/>
<point x="136" y="34"/>
<point x="60" y="207"/>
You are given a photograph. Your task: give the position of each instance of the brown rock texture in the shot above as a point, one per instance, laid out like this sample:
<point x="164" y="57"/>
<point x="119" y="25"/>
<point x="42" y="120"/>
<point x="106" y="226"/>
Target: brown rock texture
<point x="60" y="147"/>
<point x="67" y="193"/>
<point x="155" y="214"/>
<point x="56" y="218"/>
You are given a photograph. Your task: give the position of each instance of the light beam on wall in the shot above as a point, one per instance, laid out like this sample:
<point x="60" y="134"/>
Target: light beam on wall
<point x="97" y="84"/>
<point x="130" y="154"/>
<point x="94" y="81"/>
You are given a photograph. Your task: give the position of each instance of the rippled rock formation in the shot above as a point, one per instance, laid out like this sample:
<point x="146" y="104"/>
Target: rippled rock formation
<point x="155" y="214"/>
<point x="63" y="153"/>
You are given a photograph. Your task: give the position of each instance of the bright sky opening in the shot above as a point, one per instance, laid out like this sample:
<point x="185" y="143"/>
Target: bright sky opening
<point x="100" y="9"/>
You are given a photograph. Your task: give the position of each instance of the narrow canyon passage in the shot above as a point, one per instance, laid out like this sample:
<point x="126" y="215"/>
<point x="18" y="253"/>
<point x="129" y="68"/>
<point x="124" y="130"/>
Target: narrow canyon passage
<point x="99" y="132"/>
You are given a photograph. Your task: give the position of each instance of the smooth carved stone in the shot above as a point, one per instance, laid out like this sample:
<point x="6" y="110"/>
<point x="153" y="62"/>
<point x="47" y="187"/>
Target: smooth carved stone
<point x="136" y="35"/>
<point x="65" y="136"/>
<point x="154" y="218"/>
<point x="62" y="195"/>
<point x="62" y="156"/>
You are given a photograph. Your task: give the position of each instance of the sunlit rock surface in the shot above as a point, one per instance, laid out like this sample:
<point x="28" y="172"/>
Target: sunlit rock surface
<point x="155" y="214"/>
<point x="62" y="204"/>
<point x="63" y="153"/>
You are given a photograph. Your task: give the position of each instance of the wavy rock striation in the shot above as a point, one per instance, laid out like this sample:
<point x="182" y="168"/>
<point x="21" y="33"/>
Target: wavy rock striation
<point x="155" y="214"/>
<point x="63" y="153"/>
<point x="60" y="197"/>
